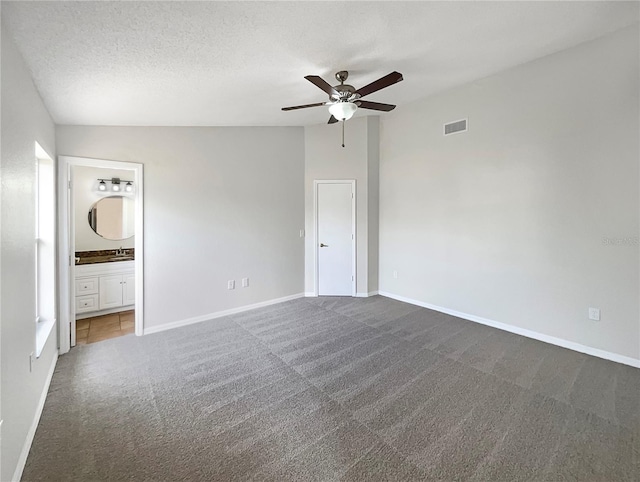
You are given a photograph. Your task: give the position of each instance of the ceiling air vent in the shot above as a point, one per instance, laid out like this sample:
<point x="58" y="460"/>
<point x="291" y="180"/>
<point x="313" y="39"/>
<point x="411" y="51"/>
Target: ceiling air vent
<point x="455" y="127"/>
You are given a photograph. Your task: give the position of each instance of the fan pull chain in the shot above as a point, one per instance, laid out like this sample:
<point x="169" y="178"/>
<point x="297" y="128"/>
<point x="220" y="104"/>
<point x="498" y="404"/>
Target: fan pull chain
<point x="342" y="132"/>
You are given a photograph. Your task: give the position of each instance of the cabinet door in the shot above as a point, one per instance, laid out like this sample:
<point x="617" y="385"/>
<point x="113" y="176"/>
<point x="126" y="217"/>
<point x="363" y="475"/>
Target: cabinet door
<point x="110" y="291"/>
<point x="129" y="289"/>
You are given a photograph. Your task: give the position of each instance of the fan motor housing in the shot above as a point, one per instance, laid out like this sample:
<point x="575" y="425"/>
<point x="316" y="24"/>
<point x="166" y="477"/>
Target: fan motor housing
<point x="345" y="92"/>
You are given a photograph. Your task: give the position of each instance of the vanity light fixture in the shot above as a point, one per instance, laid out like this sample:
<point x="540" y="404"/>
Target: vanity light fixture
<point x="116" y="185"/>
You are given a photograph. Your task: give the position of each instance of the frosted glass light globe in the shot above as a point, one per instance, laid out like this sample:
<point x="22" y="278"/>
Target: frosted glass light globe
<point x="343" y="110"/>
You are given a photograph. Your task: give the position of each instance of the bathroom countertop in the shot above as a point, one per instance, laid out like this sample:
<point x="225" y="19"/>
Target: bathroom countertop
<point x="103" y="256"/>
<point x="102" y="259"/>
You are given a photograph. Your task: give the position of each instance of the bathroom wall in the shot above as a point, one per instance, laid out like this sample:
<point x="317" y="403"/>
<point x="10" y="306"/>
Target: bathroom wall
<point x="85" y="193"/>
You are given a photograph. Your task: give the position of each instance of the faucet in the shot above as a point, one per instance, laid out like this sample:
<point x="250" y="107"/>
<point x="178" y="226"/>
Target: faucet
<point x="120" y="252"/>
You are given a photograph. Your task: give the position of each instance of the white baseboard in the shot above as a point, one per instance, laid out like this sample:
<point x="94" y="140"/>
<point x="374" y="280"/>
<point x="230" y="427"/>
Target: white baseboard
<point x="366" y="295"/>
<point x="311" y="294"/>
<point x="523" y="331"/>
<point x="219" y="314"/>
<point x="22" y="460"/>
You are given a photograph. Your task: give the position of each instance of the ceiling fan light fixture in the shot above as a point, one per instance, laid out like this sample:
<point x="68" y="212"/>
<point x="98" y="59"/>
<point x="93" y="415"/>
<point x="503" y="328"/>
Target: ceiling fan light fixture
<point x="343" y="110"/>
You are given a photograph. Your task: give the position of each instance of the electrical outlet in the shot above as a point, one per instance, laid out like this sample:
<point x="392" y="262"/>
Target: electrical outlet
<point x="302" y="233"/>
<point x="245" y="282"/>
<point x="231" y="284"/>
<point x="395" y="274"/>
<point x="594" y="314"/>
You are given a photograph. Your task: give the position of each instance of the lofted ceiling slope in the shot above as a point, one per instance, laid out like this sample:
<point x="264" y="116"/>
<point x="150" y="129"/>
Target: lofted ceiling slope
<point x="237" y="63"/>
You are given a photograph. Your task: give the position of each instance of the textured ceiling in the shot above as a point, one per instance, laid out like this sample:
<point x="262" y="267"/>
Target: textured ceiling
<point x="237" y="63"/>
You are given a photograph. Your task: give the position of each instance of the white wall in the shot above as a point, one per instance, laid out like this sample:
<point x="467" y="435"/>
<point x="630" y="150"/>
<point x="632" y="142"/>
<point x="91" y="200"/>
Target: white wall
<point x="25" y="120"/>
<point x="325" y="158"/>
<point x="507" y="221"/>
<point x="85" y="195"/>
<point x="220" y="204"/>
<point x="373" y="201"/>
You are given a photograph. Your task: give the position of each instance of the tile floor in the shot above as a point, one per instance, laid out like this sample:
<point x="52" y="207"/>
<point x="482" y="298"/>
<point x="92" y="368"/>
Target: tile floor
<point x="99" y="328"/>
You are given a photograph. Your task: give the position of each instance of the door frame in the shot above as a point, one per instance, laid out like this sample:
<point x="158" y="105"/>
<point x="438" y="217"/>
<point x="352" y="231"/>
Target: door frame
<point x="316" y="276"/>
<point x="66" y="252"/>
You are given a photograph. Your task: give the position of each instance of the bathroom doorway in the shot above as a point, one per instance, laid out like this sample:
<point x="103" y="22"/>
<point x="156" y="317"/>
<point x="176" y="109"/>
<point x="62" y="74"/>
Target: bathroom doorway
<point x="101" y="254"/>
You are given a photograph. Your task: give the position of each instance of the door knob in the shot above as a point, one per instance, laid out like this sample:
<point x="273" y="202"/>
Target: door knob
<point x="322" y="245"/>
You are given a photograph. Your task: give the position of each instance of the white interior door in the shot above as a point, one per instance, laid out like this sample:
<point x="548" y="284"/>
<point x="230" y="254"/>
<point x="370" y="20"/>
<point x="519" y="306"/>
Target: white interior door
<point x="335" y="237"/>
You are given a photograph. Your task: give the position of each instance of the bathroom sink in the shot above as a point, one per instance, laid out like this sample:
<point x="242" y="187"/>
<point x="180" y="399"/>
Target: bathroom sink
<point x="121" y="258"/>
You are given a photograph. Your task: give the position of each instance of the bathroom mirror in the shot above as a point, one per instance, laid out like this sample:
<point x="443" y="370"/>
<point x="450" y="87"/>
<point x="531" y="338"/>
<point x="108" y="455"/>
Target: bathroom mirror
<point x="112" y="217"/>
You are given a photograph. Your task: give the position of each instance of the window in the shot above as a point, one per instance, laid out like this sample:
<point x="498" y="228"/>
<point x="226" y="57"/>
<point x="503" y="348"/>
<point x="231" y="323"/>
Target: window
<point x="45" y="271"/>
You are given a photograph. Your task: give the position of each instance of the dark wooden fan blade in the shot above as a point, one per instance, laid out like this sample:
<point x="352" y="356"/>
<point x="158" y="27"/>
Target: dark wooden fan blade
<point x="365" y="104"/>
<point x="320" y="82"/>
<point x="317" y="104"/>
<point x="332" y="120"/>
<point x="381" y="83"/>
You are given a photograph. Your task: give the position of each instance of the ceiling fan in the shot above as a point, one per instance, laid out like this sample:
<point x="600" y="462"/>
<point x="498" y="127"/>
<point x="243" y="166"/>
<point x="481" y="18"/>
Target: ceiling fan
<point x="344" y="99"/>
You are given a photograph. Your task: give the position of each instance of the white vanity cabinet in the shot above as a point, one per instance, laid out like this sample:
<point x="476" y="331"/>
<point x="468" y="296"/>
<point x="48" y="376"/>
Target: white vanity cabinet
<point x="104" y="287"/>
<point x="117" y="290"/>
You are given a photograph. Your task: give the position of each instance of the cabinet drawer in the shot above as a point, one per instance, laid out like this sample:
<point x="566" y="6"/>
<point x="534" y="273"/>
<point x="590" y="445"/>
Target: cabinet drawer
<point x="86" y="303"/>
<point x="86" y="286"/>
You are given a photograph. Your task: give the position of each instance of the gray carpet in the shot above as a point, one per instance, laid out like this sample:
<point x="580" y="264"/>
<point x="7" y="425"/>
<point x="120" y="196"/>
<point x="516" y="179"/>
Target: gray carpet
<point x="337" y="389"/>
